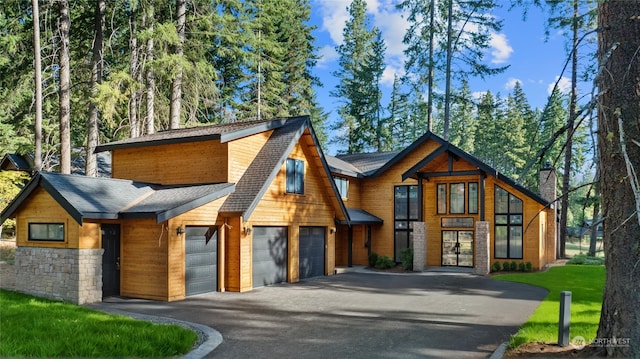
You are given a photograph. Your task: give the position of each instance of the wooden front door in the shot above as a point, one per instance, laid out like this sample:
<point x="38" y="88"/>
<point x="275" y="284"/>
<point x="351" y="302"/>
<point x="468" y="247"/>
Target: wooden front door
<point x="110" y="260"/>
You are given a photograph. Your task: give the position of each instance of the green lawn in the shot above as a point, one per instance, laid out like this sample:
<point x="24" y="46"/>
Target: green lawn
<point x="35" y="327"/>
<point x="585" y="283"/>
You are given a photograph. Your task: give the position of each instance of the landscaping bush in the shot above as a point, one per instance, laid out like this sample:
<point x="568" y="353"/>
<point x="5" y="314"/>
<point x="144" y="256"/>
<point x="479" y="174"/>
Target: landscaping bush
<point x="373" y="258"/>
<point x="384" y="262"/>
<point x="406" y="256"/>
<point x="586" y="260"/>
<point x="521" y="267"/>
<point x="506" y="266"/>
<point x="513" y="266"/>
<point x="496" y="267"/>
<point x="528" y="267"/>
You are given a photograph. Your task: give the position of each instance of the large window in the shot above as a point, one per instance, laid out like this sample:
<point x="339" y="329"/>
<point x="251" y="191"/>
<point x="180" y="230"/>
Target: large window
<point x="459" y="195"/>
<point x="456" y="200"/>
<point x="405" y="213"/>
<point x="343" y="186"/>
<point x="46" y="232"/>
<point x="295" y="176"/>
<point x="508" y="225"/>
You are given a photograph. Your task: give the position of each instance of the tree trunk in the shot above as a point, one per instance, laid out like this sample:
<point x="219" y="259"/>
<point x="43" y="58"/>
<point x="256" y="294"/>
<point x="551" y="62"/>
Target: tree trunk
<point x="432" y="31"/>
<point x="176" y="85"/>
<point x="619" y="128"/>
<point x="568" y="154"/>
<point x="91" y="165"/>
<point x="150" y="77"/>
<point x="447" y="90"/>
<point x="37" y="63"/>
<point x="64" y="23"/>
<point x="134" y="68"/>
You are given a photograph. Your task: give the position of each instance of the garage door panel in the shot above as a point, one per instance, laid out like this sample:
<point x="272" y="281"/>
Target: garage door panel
<point x="201" y="260"/>
<point x="311" y="252"/>
<point x="270" y="255"/>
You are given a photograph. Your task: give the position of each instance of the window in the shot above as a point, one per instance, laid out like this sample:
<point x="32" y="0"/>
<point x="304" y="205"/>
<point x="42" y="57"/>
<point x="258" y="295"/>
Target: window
<point x="295" y="176"/>
<point x="456" y="200"/>
<point x="46" y="232"/>
<point x="473" y="197"/>
<point x="406" y="211"/>
<point x="442" y="198"/>
<point x="343" y="186"/>
<point x="508" y="225"/>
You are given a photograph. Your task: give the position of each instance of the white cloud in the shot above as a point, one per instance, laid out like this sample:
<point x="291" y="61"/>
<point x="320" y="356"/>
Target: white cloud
<point x="511" y="83"/>
<point x="501" y="50"/>
<point x="564" y="85"/>
<point x="327" y="54"/>
<point x="334" y="16"/>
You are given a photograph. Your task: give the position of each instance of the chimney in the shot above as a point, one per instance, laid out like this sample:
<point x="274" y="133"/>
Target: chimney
<point x="548" y="181"/>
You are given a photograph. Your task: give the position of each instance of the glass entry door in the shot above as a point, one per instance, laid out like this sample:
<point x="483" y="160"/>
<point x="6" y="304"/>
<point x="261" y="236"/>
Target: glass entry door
<point x="457" y="248"/>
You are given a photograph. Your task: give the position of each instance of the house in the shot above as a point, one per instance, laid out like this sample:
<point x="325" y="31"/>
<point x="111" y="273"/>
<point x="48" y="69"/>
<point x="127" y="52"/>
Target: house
<point x="434" y="182"/>
<point x="237" y="206"/>
<point x="217" y="208"/>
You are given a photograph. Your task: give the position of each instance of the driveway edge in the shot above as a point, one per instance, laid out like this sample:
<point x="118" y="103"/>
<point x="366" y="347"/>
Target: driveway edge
<point x="208" y="338"/>
<point x="499" y="352"/>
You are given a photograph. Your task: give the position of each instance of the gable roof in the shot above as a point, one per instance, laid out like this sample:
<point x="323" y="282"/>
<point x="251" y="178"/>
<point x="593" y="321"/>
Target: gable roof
<point x="267" y="163"/>
<point x="15" y="162"/>
<point x="374" y="164"/>
<point x="223" y="132"/>
<point x="105" y="198"/>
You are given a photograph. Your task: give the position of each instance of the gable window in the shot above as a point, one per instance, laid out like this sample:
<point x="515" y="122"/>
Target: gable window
<point x="295" y="176"/>
<point x="456" y="200"/>
<point x="343" y="186"/>
<point x="508" y="225"/>
<point x="53" y="232"/>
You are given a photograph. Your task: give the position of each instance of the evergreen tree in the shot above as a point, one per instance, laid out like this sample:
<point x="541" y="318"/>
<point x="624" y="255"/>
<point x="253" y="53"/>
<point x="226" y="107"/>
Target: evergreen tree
<point x="463" y="122"/>
<point x="357" y="92"/>
<point x="486" y="136"/>
<point x="398" y="112"/>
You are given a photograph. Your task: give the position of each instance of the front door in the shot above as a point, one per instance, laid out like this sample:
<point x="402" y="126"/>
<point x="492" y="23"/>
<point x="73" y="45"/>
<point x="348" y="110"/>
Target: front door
<point x="110" y="260"/>
<point x="457" y="248"/>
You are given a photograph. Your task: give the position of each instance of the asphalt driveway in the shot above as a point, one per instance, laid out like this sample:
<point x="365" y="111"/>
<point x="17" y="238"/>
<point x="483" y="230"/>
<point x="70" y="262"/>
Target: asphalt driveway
<point x="358" y="315"/>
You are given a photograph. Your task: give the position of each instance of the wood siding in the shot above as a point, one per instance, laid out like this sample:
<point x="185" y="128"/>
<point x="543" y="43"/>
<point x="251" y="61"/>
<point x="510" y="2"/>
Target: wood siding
<point x="181" y="163"/>
<point x="242" y="152"/>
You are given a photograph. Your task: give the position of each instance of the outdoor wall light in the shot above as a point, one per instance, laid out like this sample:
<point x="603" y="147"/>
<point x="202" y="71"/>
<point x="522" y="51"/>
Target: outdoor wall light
<point x="247" y="230"/>
<point x="180" y="231"/>
<point x="332" y="230"/>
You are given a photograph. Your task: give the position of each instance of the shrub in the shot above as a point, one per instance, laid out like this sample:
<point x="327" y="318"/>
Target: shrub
<point x="496" y="267"/>
<point x="505" y="266"/>
<point x="373" y="258"/>
<point x="513" y="266"/>
<point x="521" y="267"/>
<point x="528" y="266"/>
<point x="406" y="256"/>
<point x="384" y="262"/>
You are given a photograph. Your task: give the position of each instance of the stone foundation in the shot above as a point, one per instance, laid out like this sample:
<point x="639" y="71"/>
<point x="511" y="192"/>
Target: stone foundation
<point x="483" y="251"/>
<point x="419" y="246"/>
<point x="72" y="275"/>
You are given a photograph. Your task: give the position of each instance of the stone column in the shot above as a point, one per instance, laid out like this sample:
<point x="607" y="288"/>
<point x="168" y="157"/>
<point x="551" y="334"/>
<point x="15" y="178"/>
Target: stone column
<point x="419" y="246"/>
<point x="548" y="185"/>
<point x="483" y="251"/>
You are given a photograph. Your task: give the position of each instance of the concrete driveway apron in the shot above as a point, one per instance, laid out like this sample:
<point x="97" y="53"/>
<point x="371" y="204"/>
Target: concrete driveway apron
<point x="359" y="315"/>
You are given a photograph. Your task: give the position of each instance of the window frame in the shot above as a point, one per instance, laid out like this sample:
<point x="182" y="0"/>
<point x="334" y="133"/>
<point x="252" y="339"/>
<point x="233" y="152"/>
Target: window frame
<point x="451" y="199"/>
<point x="404" y="224"/>
<point x="507" y="222"/>
<point x="342" y="184"/>
<point x="294" y="176"/>
<point x="31" y="232"/>
<point x="441" y="198"/>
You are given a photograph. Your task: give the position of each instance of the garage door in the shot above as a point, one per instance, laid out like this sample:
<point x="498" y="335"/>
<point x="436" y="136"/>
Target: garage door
<point x="312" y="251"/>
<point x="201" y="256"/>
<point x="269" y="255"/>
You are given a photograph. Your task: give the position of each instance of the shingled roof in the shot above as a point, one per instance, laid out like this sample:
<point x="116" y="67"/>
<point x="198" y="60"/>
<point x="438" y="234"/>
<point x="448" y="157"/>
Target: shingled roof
<point x="105" y="198"/>
<point x="223" y="132"/>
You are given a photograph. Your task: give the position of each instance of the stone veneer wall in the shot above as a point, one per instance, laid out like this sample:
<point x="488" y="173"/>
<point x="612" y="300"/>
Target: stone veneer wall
<point x="73" y="275"/>
<point x="419" y="246"/>
<point x="483" y="251"/>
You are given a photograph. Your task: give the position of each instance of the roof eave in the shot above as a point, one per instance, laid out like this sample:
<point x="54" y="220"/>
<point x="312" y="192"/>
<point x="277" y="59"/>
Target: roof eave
<point x="174" y="212"/>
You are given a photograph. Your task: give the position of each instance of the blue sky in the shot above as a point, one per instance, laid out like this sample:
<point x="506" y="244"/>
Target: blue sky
<point x="535" y="61"/>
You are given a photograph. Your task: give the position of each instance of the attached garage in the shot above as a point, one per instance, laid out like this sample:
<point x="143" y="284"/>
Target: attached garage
<point x="201" y="256"/>
<point x="269" y="255"/>
<point x="312" y="252"/>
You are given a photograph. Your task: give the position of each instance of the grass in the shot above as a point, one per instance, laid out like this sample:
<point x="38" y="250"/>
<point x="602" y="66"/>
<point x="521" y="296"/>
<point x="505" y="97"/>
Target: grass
<point x="35" y="327"/>
<point x="586" y="284"/>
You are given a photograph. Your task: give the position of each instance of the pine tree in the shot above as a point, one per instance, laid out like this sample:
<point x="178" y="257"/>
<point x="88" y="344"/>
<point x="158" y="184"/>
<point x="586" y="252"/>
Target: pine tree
<point x="398" y="112"/>
<point x="463" y="123"/>
<point x="486" y="136"/>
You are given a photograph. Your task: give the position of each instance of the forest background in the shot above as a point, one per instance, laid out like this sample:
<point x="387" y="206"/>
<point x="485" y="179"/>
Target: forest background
<point x="137" y="67"/>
